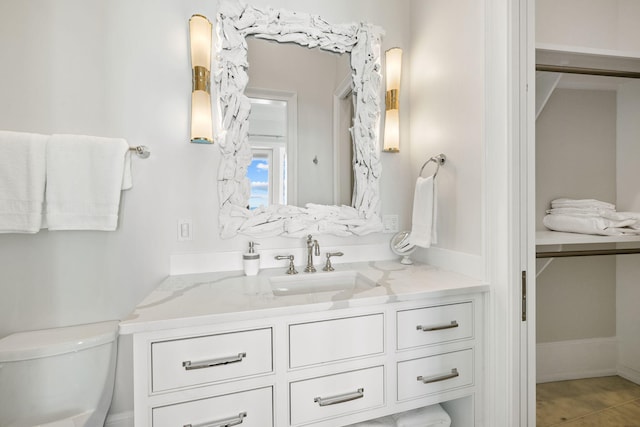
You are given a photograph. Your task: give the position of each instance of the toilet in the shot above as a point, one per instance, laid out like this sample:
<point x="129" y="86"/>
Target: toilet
<point x="60" y="377"/>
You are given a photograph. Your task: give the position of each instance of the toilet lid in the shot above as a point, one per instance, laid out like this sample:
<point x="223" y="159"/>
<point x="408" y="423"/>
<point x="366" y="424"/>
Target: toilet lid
<point x="52" y="342"/>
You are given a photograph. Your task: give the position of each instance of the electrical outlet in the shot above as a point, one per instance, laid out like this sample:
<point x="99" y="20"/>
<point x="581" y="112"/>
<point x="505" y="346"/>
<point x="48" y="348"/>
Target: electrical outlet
<point x="390" y="223"/>
<point x="185" y="230"/>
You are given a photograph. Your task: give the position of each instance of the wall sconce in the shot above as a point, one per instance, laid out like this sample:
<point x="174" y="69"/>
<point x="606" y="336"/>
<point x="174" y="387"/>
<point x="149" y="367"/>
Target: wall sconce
<point x="201" y="120"/>
<point x="393" y="61"/>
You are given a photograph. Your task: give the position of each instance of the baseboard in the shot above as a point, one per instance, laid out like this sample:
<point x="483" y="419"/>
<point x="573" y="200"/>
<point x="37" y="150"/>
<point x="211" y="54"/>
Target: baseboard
<point x="121" y="419"/>
<point x="570" y="360"/>
<point x="629" y="374"/>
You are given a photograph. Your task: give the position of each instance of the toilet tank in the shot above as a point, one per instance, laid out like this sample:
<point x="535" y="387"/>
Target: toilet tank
<point x="58" y="374"/>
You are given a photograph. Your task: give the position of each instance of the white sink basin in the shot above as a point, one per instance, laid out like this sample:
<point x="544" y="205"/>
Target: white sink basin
<point x="305" y="283"/>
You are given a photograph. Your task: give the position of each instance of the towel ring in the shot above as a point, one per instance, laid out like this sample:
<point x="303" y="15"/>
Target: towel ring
<point x="439" y="160"/>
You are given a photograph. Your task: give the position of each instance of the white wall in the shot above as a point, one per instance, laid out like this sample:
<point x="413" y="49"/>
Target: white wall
<point x="121" y="68"/>
<point x="628" y="198"/>
<point x="447" y="110"/>
<point x="601" y="24"/>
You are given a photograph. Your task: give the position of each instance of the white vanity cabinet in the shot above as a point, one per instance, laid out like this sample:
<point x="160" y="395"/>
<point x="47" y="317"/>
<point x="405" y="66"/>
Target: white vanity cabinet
<point x="315" y="364"/>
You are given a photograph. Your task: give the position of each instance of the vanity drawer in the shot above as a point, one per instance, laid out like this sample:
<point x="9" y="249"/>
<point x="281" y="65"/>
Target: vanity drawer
<point x="435" y="374"/>
<point x="433" y="325"/>
<point x="253" y="408"/>
<point x="334" y="395"/>
<point x="331" y="340"/>
<point x="192" y="361"/>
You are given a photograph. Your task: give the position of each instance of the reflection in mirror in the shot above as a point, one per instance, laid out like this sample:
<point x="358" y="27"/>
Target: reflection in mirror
<point x="361" y="44"/>
<point x="324" y="150"/>
<point x="267" y="171"/>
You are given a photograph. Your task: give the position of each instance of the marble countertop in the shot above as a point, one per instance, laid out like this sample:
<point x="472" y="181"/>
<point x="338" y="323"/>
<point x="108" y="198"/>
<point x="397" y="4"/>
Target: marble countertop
<point x="210" y="298"/>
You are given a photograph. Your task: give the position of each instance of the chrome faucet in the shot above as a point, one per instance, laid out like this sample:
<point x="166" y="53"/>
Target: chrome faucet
<point x="311" y="245"/>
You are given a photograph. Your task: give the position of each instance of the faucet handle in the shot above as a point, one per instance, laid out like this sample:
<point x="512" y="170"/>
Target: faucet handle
<point x="292" y="268"/>
<point x="328" y="266"/>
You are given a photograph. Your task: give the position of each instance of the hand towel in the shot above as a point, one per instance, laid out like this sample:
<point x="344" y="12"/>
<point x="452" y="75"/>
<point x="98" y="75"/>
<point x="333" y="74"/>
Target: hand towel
<point x="581" y="203"/>
<point x="22" y="181"/>
<point x="429" y="416"/>
<point x="589" y="225"/>
<point x="425" y="208"/>
<point x="85" y="175"/>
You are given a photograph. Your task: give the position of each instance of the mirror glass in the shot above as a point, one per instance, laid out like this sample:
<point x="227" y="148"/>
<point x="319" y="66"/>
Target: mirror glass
<point x="318" y="168"/>
<point x="262" y="158"/>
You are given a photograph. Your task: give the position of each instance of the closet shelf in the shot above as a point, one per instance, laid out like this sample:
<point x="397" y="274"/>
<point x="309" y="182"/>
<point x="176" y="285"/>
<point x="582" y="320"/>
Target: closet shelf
<point x="544" y="238"/>
<point x="575" y="56"/>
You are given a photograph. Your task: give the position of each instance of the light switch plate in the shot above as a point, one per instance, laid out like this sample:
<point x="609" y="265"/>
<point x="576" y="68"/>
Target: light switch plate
<point x="185" y="230"/>
<point x="390" y="223"/>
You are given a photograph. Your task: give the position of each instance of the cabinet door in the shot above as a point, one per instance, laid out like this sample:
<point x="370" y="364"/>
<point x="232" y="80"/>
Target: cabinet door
<point x="435" y="374"/>
<point x="192" y="361"/>
<point x="253" y="408"/>
<point x="334" y="395"/>
<point x="336" y="339"/>
<point x="434" y="325"/>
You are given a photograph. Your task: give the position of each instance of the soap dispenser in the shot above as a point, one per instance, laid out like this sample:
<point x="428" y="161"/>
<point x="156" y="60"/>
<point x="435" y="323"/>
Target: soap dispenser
<point x="251" y="261"/>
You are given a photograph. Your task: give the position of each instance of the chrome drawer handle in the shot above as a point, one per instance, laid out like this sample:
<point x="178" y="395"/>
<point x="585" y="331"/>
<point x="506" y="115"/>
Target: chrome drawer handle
<point x="189" y="365"/>
<point x="341" y="398"/>
<point x="227" y="422"/>
<point x="453" y="324"/>
<point x="436" y="378"/>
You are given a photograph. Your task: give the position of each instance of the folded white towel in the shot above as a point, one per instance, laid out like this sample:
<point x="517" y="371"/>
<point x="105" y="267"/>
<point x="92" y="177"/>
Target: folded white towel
<point x="634" y="215"/>
<point x="22" y="181"/>
<point x="589" y="225"/>
<point x="603" y="213"/>
<point x="425" y="209"/>
<point x="85" y="175"/>
<point x="581" y="203"/>
<point x="429" y="416"/>
<point x="378" y="422"/>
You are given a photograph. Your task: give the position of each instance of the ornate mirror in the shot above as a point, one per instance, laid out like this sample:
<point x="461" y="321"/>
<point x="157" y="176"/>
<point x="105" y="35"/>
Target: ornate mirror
<point x="361" y="41"/>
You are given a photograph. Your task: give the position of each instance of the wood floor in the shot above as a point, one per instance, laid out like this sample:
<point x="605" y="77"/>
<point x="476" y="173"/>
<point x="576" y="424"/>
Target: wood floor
<point x="591" y="402"/>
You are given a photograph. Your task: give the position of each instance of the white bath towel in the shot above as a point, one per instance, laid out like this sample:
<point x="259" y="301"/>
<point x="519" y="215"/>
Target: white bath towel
<point x="85" y="175"/>
<point x="589" y="225"/>
<point x="429" y="416"/>
<point x="581" y="203"/>
<point x="22" y="181"/>
<point x="425" y="209"/>
<point x="603" y="213"/>
<point x="378" y="422"/>
<point x="634" y="215"/>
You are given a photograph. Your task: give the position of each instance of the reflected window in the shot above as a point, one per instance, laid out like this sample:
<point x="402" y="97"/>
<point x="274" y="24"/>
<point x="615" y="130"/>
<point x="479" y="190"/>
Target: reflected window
<point x="267" y="172"/>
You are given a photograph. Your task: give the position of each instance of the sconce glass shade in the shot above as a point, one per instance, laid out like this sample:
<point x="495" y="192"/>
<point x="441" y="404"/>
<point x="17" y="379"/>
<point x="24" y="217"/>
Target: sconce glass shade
<point x="201" y="125"/>
<point x="200" y="30"/>
<point x="392" y="131"/>
<point x="393" y="61"/>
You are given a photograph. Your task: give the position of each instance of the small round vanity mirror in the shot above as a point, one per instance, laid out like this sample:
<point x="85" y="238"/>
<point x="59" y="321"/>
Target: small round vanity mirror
<point x="401" y="246"/>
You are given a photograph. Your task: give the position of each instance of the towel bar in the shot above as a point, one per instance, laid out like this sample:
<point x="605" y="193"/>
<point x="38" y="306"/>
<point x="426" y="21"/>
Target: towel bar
<point x="439" y="160"/>
<point x="141" y="150"/>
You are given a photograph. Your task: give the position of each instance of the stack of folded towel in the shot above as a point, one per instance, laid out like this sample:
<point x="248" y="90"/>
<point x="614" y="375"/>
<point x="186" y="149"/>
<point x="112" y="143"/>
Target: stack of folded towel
<point x="590" y="216"/>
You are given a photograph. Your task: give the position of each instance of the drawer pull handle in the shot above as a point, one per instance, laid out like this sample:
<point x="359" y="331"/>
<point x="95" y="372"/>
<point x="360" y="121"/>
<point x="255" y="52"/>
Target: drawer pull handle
<point x="453" y="324"/>
<point x="341" y="398"/>
<point x="189" y="365"/>
<point x="436" y="378"/>
<point x="227" y="422"/>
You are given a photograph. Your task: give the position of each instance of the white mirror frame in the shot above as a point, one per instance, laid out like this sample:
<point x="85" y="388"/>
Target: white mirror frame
<point x="236" y="21"/>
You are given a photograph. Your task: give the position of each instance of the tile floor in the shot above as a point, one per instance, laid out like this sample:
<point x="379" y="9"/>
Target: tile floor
<point x="589" y="402"/>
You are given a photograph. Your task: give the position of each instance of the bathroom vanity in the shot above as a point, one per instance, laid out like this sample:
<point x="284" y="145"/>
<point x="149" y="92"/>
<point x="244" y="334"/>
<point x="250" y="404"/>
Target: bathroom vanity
<point x="318" y="349"/>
